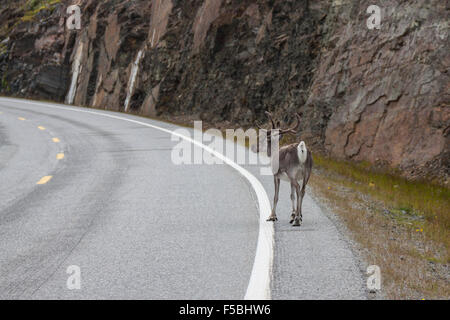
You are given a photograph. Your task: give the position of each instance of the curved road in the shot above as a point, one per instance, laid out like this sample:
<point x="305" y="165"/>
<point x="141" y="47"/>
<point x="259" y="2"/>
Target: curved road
<point x="103" y="194"/>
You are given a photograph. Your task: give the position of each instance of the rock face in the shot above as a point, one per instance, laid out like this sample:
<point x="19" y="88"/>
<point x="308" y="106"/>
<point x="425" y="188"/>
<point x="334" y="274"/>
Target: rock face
<point x="388" y="88"/>
<point x="378" y="95"/>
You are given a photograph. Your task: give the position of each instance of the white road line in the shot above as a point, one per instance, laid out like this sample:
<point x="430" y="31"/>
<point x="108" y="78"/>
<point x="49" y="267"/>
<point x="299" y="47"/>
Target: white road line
<point x="259" y="284"/>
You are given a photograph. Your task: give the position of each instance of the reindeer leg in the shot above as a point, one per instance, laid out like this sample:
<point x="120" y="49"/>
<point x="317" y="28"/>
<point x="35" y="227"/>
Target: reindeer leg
<point x="293" y="202"/>
<point x="301" y="203"/>
<point x="273" y="216"/>
<point x="298" y="217"/>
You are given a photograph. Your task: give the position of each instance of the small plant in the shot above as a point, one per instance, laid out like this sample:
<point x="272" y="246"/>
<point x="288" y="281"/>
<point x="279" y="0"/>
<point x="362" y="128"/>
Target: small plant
<point x="5" y="84"/>
<point x="3" y="48"/>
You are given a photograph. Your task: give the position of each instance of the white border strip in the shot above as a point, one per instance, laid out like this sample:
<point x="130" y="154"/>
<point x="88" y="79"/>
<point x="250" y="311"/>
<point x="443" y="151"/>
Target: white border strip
<point x="259" y="284"/>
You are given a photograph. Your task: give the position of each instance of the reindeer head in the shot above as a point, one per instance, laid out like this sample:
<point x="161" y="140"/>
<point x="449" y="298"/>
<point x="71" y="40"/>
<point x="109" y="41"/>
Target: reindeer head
<point x="267" y="137"/>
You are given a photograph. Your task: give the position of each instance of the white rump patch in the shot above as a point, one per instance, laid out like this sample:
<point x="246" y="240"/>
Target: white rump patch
<point x="302" y="152"/>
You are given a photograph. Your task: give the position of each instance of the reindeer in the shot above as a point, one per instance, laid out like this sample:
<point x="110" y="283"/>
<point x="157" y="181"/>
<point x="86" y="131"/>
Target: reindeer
<point x="294" y="165"/>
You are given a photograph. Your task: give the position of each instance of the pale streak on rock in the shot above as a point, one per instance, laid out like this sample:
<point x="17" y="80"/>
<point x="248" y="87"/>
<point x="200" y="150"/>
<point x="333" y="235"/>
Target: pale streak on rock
<point x="76" y="66"/>
<point x="131" y="82"/>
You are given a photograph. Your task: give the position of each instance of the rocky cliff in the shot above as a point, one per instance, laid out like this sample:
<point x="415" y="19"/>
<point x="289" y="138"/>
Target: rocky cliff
<point x="375" y="95"/>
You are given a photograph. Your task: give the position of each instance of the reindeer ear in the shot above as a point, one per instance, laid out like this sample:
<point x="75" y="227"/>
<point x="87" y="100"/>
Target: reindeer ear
<point x="278" y="124"/>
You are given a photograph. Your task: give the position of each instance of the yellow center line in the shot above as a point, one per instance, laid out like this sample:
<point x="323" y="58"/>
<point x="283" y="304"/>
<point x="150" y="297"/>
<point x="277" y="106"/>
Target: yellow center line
<point x="44" y="180"/>
<point x="60" y="156"/>
<point x="55" y="140"/>
<point x="21" y="119"/>
<point x="41" y="128"/>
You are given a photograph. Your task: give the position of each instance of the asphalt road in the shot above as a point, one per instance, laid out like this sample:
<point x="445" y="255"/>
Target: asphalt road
<point x="103" y="194"/>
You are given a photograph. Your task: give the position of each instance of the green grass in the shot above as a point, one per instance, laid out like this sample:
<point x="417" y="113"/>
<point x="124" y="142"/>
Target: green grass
<point x="33" y="7"/>
<point x="419" y="204"/>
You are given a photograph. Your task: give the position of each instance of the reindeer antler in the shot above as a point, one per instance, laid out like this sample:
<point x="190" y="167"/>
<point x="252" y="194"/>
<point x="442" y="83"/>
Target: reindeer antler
<point x="295" y="128"/>
<point x="269" y="115"/>
<point x="292" y="130"/>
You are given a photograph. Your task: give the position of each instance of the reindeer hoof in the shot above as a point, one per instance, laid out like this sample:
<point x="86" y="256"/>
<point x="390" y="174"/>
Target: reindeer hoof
<point x="292" y="219"/>
<point x="272" y="218"/>
<point x="297" y="223"/>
